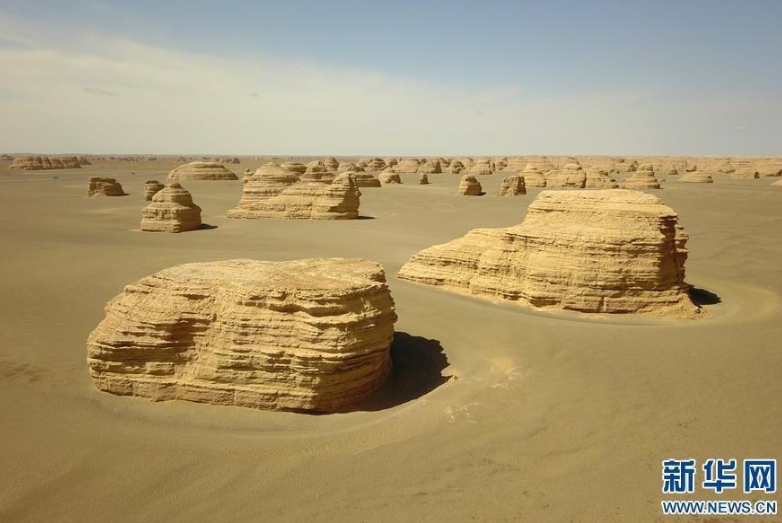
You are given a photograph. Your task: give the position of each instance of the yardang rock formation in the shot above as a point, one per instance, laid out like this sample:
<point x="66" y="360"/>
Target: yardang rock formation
<point x="298" y="335"/>
<point x="104" y="187"/>
<point x="172" y="210"/>
<point x="609" y="251"/>
<point x="201" y="171"/>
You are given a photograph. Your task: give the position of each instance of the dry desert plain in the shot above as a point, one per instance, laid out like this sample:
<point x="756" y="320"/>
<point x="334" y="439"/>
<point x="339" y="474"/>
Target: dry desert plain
<point x="493" y="412"/>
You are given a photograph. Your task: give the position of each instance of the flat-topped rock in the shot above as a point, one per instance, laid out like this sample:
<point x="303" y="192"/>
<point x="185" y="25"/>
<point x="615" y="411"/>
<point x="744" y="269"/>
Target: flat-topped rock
<point x="201" y="171"/>
<point x="387" y="177"/>
<point x="469" y="186"/>
<point x="513" y="186"/>
<point x="309" y="335"/>
<point x="695" y="177"/>
<point x="609" y="251"/>
<point x="172" y="210"/>
<point x="99" y="186"/>
<point x="268" y="180"/>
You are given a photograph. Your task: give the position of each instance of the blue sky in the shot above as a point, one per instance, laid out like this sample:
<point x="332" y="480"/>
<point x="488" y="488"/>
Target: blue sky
<point x="392" y="78"/>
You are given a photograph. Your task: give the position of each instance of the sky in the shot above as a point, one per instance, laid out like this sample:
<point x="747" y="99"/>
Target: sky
<point x="391" y="78"/>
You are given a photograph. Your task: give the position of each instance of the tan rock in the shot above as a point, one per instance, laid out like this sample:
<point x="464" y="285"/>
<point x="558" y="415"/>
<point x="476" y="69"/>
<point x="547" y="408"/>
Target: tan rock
<point x="642" y="178"/>
<point x="430" y="167"/>
<point x="42" y="163"/>
<point x="375" y="164"/>
<point x="513" y="185"/>
<point x="423" y="179"/>
<point x="365" y="180"/>
<point x="407" y="165"/>
<point x="151" y="188"/>
<point x="316" y="167"/>
<point x="84" y="161"/>
<point x="294" y="167"/>
<point x="201" y="171"/>
<point x="533" y="177"/>
<point x="269" y="180"/>
<point x="599" y="179"/>
<point x="572" y="176"/>
<point x="104" y="187"/>
<point x="389" y="177"/>
<point x="331" y="164"/>
<point x="456" y="167"/>
<point x="345" y="167"/>
<point x="172" y="210"/>
<point x="482" y="166"/>
<point x="470" y="186"/>
<point x="743" y="170"/>
<point x="609" y="251"/>
<point x="308" y="201"/>
<point x="297" y="335"/>
<point x="695" y="177"/>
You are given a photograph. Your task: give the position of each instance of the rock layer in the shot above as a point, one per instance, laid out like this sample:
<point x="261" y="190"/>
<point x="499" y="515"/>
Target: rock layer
<point x="470" y="186"/>
<point x="512" y="186"/>
<point x="104" y="187"/>
<point x="172" y="210"/>
<point x="298" y="335"/>
<point x="151" y="188"/>
<point x="201" y="171"/>
<point x="307" y="200"/>
<point x="610" y="251"/>
<point x="695" y="177"/>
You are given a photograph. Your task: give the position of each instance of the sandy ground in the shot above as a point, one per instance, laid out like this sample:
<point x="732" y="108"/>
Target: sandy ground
<point x="494" y="413"/>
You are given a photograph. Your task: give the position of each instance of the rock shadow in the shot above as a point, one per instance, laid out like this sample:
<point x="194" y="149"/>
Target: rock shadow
<point x="418" y="365"/>
<point x="205" y="227"/>
<point x="703" y="298"/>
<point x="362" y="217"/>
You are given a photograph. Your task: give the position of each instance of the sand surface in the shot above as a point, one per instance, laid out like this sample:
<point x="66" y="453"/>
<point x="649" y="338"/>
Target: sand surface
<point x="494" y="412"/>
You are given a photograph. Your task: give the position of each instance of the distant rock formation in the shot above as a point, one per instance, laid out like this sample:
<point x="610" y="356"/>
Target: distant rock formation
<point x="308" y="201"/>
<point x="309" y="335"/>
<point x="294" y="167"/>
<point x="456" y="167"/>
<point x="172" y="210"/>
<point x="599" y="179"/>
<point x="777" y="183"/>
<point x="695" y="177"/>
<point x="269" y="180"/>
<point x="151" y="188"/>
<point x="430" y="167"/>
<point x="513" y="186"/>
<point x="481" y="166"/>
<point x="84" y="161"/>
<point x="407" y="165"/>
<point x="345" y="167"/>
<point x="610" y="251"/>
<point x="389" y="177"/>
<point x="744" y="171"/>
<point x="533" y="177"/>
<point x="423" y="179"/>
<point x="642" y="178"/>
<point x="375" y="164"/>
<point x="470" y="186"/>
<point x="331" y="164"/>
<point x="43" y="163"/>
<point x="104" y="187"/>
<point x="572" y="176"/>
<point x="365" y="180"/>
<point x="201" y="171"/>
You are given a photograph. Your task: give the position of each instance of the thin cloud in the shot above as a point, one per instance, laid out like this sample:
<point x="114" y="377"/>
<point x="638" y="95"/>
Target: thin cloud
<point x="100" y="92"/>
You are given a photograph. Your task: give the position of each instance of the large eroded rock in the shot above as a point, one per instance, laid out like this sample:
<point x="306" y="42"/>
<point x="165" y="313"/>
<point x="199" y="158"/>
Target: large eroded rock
<point x="609" y="251"/>
<point x="201" y="171"/>
<point x="298" y="335"/>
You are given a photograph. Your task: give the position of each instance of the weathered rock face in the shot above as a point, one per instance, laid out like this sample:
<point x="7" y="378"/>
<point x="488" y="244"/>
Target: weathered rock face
<point x="642" y="178"/>
<point x="269" y="180"/>
<point x="572" y="176"/>
<point x="201" y="171"/>
<point x="316" y="167"/>
<point x="695" y="177"/>
<point x="430" y="167"/>
<point x="172" y="210"/>
<point x="610" y="251"/>
<point x="308" y="200"/>
<point x="389" y="177"/>
<point x="512" y="186"/>
<point x="151" y="188"/>
<point x="423" y="179"/>
<point x="456" y="167"/>
<point x="541" y="163"/>
<point x="470" y="186"/>
<point x="744" y="170"/>
<point x="298" y="335"/>
<point x="345" y="167"/>
<point x="42" y="163"/>
<point x="294" y="167"/>
<point x="533" y="177"/>
<point x="331" y="164"/>
<point x="104" y="187"/>
<point x="375" y="164"/>
<point x="599" y="179"/>
<point x="365" y="180"/>
<point x="481" y="166"/>
<point x="407" y="165"/>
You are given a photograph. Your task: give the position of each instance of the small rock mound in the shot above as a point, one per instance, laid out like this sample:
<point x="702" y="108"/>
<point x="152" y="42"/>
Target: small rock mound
<point x="389" y="178"/>
<point x="151" y="188"/>
<point x="533" y="177"/>
<point x="423" y="179"/>
<point x="695" y="177"/>
<point x="331" y="164"/>
<point x="201" y="171"/>
<point x="297" y="335"/>
<point x="104" y="187"/>
<point x="642" y="178"/>
<point x="470" y="186"/>
<point x="269" y="180"/>
<point x="482" y="166"/>
<point x="599" y="179"/>
<point x="172" y="210"/>
<point x="365" y="180"/>
<point x="456" y="167"/>
<point x="513" y="186"/>
<point x="294" y="167"/>
<point x="572" y="176"/>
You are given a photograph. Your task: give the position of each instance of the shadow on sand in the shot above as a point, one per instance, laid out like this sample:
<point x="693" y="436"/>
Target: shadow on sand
<point x="205" y="227"/>
<point x="418" y="366"/>
<point x="362" y="217"/>
<point x="703" y="298"/>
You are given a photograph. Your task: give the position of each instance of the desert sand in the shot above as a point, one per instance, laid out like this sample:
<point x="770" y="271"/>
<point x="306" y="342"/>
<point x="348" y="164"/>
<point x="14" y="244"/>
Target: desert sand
<point x="492" y="412"/>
